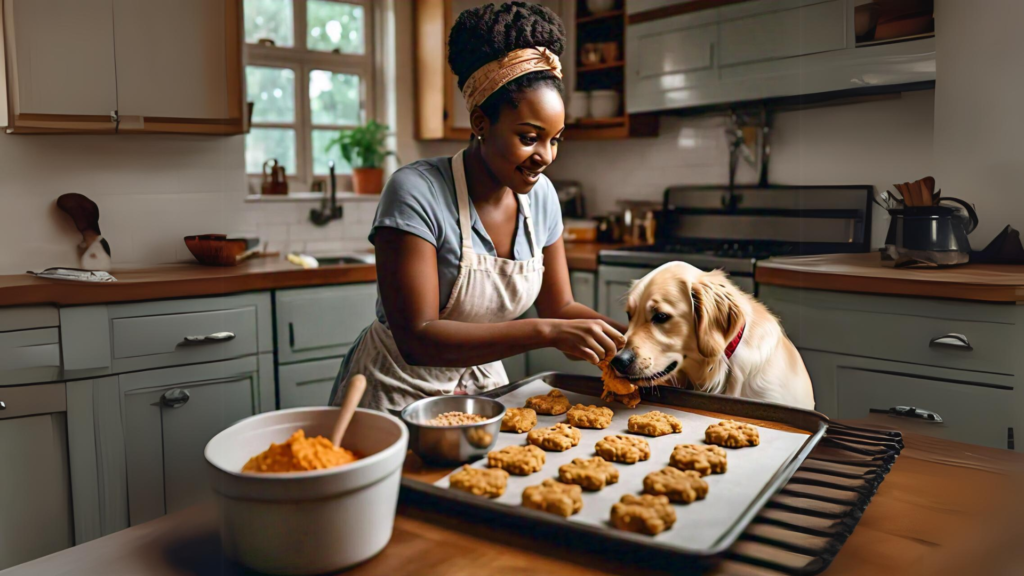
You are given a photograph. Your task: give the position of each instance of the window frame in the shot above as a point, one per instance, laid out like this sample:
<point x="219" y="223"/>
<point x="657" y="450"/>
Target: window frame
<point x="303" y="61"/>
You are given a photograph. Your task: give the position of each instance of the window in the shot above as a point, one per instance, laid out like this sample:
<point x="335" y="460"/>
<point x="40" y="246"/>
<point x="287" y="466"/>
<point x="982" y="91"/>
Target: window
<point x="308" y="75"/>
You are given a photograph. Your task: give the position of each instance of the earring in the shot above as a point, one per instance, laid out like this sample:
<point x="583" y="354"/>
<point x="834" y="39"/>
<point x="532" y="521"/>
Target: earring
<point x="479" y="137"/>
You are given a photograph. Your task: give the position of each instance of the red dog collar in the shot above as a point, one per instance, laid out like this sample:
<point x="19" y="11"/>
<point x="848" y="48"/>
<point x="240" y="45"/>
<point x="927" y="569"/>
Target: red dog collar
<point x="731" y="348"/>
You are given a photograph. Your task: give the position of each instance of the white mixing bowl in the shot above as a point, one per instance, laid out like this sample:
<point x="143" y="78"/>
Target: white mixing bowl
<point x="307" y="522"/>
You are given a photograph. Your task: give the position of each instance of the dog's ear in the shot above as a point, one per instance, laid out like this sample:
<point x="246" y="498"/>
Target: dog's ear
<point x="717" y="316"/>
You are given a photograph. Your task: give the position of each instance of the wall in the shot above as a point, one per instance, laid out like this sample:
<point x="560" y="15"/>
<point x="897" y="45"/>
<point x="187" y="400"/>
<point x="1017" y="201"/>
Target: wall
<point x="152" y="190"/>
<point x="877" y="142"/>
<point x="978" y="117"/>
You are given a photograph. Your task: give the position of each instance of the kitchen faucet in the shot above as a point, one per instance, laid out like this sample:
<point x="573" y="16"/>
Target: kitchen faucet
<point x="326" y="213"/>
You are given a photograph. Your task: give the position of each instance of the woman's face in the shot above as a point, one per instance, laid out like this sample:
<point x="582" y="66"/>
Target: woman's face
<point x="524" y="141"/>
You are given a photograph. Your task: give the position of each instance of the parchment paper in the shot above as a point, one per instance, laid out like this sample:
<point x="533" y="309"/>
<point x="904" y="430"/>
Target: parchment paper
<point x="698" y="525"/>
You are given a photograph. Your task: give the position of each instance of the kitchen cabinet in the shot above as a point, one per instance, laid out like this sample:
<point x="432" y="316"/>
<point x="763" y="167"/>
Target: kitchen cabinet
<point x="29" y="345"/>
<point x="441" y="110"/>
<point x="35" y="499"/>
<point x="613" y="282"/>
<point x="178" y="66"/>
<point x="306" y="383"/>
<point x="869" y="353"/>
<point x="680" y="58"/>
<point x="169" y="416"/>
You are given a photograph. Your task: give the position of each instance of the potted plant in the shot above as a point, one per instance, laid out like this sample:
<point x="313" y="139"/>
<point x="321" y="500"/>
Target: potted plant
<point x="364" y="150"/>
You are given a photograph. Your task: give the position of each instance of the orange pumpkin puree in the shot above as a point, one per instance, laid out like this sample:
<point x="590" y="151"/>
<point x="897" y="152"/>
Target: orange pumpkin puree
<point x="298" y="454"/>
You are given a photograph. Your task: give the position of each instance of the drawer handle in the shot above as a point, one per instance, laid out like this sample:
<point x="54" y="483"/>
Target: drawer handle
<point x="910" y="412"/>
<point x="951" y="340"/>
<point x="175" y="398"/>
<point x="210" y="338"/>
<point x="2" y="405"/>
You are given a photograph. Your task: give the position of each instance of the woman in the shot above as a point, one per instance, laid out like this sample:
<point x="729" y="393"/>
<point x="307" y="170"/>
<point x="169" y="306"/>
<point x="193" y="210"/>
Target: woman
<point x="465" y="245"/>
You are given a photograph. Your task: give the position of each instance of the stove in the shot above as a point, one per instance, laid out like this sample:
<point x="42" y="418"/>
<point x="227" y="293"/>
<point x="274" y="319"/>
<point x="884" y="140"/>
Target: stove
<point x="713" y="228"/>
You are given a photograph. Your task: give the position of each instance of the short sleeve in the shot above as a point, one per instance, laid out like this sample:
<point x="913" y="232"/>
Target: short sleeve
<point x="547" y="213"/>
<point x="409" y="203"/>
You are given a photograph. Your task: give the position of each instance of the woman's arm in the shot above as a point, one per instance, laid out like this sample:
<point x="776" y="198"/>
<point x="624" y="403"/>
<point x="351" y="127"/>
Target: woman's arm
<point x="407" y="277"/>
<point x="556" y="300"/>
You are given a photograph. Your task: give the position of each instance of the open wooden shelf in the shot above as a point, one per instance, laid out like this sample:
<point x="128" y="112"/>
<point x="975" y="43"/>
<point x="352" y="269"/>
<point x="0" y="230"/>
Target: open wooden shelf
<point x="600" y="16"/>
<point x="601" y="66"/>
<point x="598" y="122"/>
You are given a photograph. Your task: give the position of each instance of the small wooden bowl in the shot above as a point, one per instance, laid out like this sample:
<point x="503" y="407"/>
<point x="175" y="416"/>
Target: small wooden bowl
<point x="218" y="249"/>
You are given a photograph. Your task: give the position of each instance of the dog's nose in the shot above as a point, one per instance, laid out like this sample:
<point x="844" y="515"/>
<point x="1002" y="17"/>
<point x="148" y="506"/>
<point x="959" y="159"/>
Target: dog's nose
<point x="623" y="360"/>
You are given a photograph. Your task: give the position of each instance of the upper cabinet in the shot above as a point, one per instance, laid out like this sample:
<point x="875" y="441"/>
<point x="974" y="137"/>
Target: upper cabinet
<point x="678" y="57"/>
<point x="123" y="66"/>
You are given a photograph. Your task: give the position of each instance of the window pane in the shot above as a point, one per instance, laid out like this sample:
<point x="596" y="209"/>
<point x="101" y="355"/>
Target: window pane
<point x="272" y="92"/>
<point x="270" y="19"/>
<point x="334" y="26"/>
<point x="320" y="140"/>
<point x="262" y="144"/>
<point x="335" y="98"/>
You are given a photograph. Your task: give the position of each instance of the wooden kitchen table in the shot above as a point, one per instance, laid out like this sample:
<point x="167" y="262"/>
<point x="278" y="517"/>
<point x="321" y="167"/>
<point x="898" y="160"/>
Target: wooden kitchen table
<point x="945" y="507"/>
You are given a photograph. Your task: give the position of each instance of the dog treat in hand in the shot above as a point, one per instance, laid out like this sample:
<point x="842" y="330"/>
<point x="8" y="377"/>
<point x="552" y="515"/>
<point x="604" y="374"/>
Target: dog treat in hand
<point x="703" y="459"/>
<point x="679" y="485"/>
<point x="518" y="460"/>
<point x="645" y="514"/>
<point x="590" y="473"/>
<point x="589" y="416"/>
<point x="557" y="438"/>
<point x="553" y="403"/>
<point x="489" y="482"/>
<point x="518" y="420"/>
<point x="622" y="448"/>
<point x="732" y="434"/>
<point x="654" y="424"/>
<point x="554" y="497"/>
<point x="629" y="400"/>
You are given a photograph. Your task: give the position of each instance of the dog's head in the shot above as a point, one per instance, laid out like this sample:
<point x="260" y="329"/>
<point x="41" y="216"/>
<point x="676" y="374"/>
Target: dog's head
<point x="678" y="315"/>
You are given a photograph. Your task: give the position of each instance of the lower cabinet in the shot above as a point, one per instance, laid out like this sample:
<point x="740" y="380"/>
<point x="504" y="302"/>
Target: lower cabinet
<point x="306" y="383"/>
<point x="612" y="284"/>
<point x="35" y="486"/>
<point x="976" y="408"/>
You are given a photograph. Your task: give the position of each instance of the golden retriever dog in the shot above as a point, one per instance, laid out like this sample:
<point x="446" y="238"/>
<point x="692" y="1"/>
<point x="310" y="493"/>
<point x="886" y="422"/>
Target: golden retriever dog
<point x="690" y="326"/>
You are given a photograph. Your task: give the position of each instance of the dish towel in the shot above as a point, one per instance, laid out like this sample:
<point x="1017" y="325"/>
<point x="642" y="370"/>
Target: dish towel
<point x="76" y="274"/>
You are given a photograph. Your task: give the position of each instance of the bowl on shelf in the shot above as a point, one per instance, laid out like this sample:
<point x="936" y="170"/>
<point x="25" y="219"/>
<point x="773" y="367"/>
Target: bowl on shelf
<point x="600" y="6"/>
<point x="579" y="106"/>
<point x="452" y="444"/>
<point x="604" y="103"/>
<point x="311" y="522"/>
<point x="219" y="250"/>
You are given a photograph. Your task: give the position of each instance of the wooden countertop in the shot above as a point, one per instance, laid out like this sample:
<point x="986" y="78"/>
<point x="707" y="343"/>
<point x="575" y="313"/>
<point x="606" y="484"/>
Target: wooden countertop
<point x="178" y="281"/>
<point x="865" y="273"/>
<point x="191" y="280"/>
<point x="945" y="508"/>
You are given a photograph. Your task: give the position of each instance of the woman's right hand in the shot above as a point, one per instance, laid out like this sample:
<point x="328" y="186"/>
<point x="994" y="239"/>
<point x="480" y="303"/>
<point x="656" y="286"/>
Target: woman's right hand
<point x="590" y="340"/>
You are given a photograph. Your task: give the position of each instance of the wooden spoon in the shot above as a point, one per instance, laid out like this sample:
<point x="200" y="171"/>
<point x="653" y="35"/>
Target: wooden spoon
<point x="353" y="394"/>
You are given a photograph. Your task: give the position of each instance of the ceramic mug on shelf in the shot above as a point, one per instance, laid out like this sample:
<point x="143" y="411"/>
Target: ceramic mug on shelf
<point x="610" y="52"/>
<point x="590" y="54"/>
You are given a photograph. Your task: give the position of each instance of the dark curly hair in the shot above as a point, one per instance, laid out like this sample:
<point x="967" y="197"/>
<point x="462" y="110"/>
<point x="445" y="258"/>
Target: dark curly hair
<point x="485" y="34"/>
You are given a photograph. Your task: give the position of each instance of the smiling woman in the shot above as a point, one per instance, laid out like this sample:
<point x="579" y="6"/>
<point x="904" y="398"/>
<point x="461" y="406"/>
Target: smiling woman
<point x="465" y="245"/>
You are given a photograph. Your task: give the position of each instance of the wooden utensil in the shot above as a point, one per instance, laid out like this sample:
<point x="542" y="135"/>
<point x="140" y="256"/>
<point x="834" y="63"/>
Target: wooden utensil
<point x="353" y="394"/>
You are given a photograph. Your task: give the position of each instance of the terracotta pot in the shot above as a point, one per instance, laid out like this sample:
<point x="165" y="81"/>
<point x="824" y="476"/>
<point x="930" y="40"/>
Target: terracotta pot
<point x="367" y="180"/>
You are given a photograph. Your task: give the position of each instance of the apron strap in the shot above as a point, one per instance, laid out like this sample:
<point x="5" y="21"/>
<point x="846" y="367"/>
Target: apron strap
<point x="524" y="204"/>
<point x="462" y="196"/>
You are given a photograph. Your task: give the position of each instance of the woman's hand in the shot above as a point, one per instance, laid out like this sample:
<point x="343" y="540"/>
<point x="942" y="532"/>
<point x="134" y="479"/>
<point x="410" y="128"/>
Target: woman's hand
<point x="590" y="340"/>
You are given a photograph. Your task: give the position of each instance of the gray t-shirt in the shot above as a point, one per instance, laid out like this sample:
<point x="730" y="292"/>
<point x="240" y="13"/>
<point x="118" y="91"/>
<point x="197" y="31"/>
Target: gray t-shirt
<point x="420" y="199"/>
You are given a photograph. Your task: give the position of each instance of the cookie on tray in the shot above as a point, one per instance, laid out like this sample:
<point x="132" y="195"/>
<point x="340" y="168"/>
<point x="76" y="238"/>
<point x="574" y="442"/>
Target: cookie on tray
<point x="590" y="473"/>
<point x="645" y="514"/>
<point x="518" y="460"/>
<point x="553" y="403"/>
<point x="679" y="485"/>
<point x="589" y="416"/>
<point x="705" y="459"/>
<point x="732" y="434"/>
<point x="489" y="482"/>
<point x="654" y="423"/>
<point x="557" y="438"/>
<point x="554" y="497"/>
<point x="629" y="400"/>
<point x="518" y="420"/>
<point x="622" y="448"/>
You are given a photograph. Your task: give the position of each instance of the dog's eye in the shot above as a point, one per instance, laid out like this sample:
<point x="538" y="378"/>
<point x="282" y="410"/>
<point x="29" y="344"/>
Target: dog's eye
<point x="660" y="318"/>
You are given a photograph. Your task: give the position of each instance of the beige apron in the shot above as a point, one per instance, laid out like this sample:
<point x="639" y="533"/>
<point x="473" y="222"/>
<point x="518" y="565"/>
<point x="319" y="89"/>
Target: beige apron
<point x="487" y="289"/>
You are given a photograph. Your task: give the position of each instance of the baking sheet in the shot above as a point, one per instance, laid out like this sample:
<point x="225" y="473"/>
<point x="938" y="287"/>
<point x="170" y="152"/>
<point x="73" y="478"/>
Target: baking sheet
<point x="699" y="525"/>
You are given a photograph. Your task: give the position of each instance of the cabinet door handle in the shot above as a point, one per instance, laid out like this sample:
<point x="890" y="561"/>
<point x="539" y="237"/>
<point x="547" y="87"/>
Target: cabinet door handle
<point x="3" y="406"/>
<point x="175" y="398"/>
<point x="215" y="337"/>
<point x="910" y="412"/>
<point x="951" y="340"/>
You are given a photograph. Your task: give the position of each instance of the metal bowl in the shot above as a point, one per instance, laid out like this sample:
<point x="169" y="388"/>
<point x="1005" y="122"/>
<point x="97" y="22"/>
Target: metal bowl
<point x="452" y="444"/>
